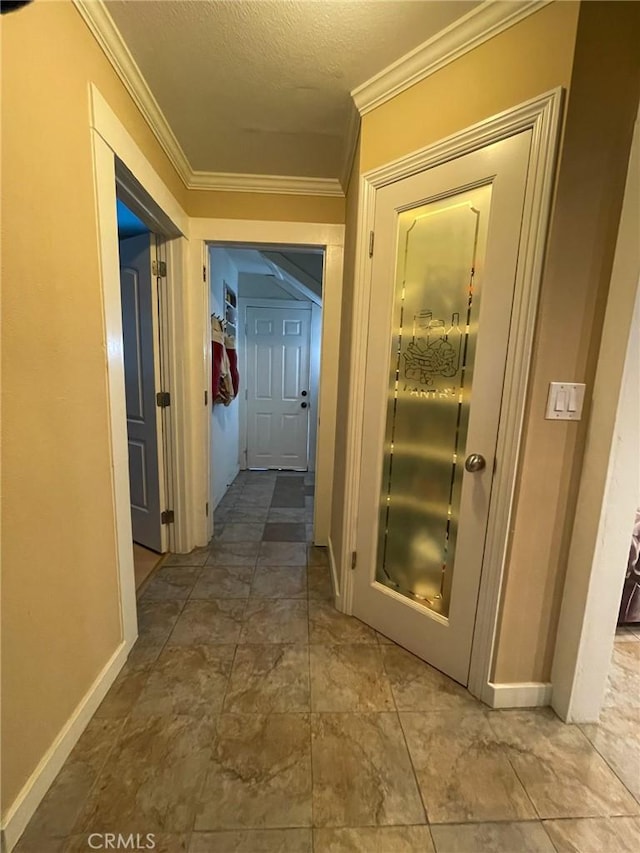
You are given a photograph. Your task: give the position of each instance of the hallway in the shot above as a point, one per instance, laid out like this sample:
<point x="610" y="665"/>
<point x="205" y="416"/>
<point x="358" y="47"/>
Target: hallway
<point x="252" y="717"/>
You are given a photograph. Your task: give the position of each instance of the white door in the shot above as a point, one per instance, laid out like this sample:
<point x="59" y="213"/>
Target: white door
<point x="140" y="335"/>
<point x="443" y="279"/>
<point x="278" y="399"/>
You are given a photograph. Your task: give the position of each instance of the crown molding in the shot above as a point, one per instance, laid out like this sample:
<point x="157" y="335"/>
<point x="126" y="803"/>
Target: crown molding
<point x="101" y="24"/>
<point x="280" y="184"/>
<point x="350" y="145"/>
<point x="470" y="31"/>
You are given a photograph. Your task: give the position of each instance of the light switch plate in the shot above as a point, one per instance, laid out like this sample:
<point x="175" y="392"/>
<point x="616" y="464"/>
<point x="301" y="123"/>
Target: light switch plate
<point x="565" y="400"/>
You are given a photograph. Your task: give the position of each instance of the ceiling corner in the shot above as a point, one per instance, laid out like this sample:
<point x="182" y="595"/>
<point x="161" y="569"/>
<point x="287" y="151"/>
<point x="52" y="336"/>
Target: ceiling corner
<point x="471" y="30"/>
<point x="97" y="18"/>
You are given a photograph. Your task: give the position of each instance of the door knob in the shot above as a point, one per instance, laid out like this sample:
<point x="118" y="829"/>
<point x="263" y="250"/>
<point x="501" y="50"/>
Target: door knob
<point x="475" y="462"/>
<point x="303" y="405"/>
<point x="304" y="393"/>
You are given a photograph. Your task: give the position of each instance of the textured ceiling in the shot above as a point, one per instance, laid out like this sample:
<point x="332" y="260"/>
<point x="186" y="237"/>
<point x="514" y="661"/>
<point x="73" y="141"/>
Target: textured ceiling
<point x="262" y="86"/>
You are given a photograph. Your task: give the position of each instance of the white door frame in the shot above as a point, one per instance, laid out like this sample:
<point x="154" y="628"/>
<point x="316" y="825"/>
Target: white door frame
<point x="257" y="302"/>
<point x="260" y="232"/>
<point x="110" y="139"/>
<point x="609" y="485"/>
<point x="542" y="116"/>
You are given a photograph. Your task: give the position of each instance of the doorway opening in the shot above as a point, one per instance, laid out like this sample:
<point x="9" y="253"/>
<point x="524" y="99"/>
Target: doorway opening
<point x="265" y="307"/>
<point x="141" y="270"/>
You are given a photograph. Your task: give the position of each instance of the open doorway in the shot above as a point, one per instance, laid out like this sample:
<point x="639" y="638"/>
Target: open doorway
<point x="266" y="316"/>
<point x="143" y="269"/>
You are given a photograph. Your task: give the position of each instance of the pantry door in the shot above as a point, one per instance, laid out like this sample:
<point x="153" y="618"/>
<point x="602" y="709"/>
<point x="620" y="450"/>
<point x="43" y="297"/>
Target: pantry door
<point x="443" y="282"/>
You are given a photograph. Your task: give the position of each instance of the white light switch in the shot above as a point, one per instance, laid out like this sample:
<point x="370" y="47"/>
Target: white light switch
<point x="565" y="401"/>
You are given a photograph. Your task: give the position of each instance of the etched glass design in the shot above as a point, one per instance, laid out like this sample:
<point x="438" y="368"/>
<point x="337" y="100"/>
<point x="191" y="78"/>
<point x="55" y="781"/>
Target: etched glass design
<point x="440" y="250"/>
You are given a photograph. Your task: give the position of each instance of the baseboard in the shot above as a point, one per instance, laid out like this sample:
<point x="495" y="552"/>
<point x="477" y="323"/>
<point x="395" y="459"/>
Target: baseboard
<point x="334" y="574"/>
<point x="31" y="795"/>
<point x="526" y="694"/>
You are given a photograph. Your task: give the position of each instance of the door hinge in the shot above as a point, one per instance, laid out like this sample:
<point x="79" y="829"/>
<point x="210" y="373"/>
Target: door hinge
<point x="371" y="239"/>
<point x="167" y="517"/>
<point x="206" y="398"/>
<point x="246" y="394"/>
<point x="206" y="509"/>
<point x="163" y="399"/>
<point x="159" y="269"/>
<point x="204" y="273"/>
<point x="354" y="559"/>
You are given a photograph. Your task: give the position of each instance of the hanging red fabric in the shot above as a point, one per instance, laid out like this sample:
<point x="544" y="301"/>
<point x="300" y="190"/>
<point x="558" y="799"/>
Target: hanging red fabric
<point x="217" y="356"/>
<point x="232" y="355"/>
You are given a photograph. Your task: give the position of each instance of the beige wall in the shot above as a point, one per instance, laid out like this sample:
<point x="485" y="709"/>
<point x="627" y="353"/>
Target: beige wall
<point x="60" y="605"/>
<point x="340" y="463"/>
<point x="600" y="115"/>
<point x="266" y="206"/>
<point x="527" y="60"/>
<point x="530" y="58"/>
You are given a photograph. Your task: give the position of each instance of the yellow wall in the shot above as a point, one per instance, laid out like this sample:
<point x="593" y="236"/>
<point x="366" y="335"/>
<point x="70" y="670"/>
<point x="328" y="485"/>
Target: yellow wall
<point x="265" y="206"/>
<point x="60" y="613"/>
<point x="340" y="459"/>
<point x="526" y="60"/>
<point x="530" y="58"/>
<point x="60" y="605"/>
<point x="600" y="115"/>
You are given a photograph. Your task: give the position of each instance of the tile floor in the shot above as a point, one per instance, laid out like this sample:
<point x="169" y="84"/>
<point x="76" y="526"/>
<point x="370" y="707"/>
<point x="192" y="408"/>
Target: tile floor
<point x="252" y="717"/>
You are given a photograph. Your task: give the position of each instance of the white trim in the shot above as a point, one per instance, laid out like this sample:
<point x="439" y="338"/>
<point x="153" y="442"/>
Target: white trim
<point x="335" y="578"/>
<point x="109" y="138"/>
<point x="103" y="28"/>
<point x="526" y="694"/>
<point x="258" y="233"/>
<point x="278" y="184"/>
<point x="473" y="29"/>
<point x="355" y="403"/>
<point x="542" y="116"/>
<point x="448" y="45"/>
<point x="37" y="785"/>
<point x="292" y="278"/>
<point x="170" y="216"/>
<point x="609" y="491"/>
<point x="315" y="365"/>
<point x="260" y="302"/>
<point x="107" y="124"/>
<point x="350" y="145"/>
<point x="105" y="190"/>
<point x="161" y="330"/>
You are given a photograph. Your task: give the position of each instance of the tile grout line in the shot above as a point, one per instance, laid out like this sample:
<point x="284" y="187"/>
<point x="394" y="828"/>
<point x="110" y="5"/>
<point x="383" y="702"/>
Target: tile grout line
<point x="313" y="810"/>
<point x="406" y="746"/>
<point x="611" y="768"/>
<point x="507" y="755"/>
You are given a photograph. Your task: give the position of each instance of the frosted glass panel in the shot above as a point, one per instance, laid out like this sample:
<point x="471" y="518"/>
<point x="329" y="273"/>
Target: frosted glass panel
<point x="440" y="247"/>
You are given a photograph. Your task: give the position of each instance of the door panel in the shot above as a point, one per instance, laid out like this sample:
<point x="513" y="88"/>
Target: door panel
<point x="278" y="342"/>
<point x="139" y="309"/>
<point x="443" y="282"/>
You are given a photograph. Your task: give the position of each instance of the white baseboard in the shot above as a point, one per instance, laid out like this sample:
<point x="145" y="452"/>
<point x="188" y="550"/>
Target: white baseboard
<point x="334" y="574"/>
<point x="526" y="694"/>
<point x="31" y="795"/>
